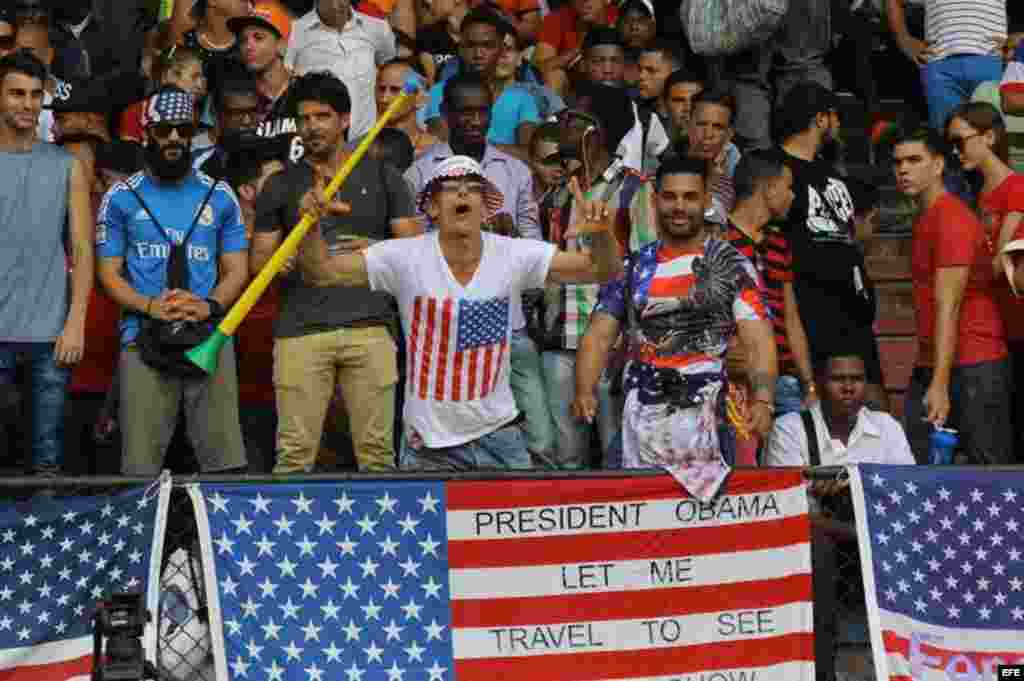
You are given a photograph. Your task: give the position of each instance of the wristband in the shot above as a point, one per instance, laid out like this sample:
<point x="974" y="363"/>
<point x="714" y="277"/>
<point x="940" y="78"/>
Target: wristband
<point x="216" y="309"/>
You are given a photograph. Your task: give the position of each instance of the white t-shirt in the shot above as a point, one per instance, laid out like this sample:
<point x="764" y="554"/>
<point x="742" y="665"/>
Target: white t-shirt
<point x="457" y="337"/>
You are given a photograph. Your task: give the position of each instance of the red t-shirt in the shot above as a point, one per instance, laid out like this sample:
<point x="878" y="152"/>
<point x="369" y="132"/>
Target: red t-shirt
<point x="994" y="206"/>
<point x="949" y="235"/>
<point x="254" y="354"/>
<point x="560" y="29"/>
<point x="102" y="345"/>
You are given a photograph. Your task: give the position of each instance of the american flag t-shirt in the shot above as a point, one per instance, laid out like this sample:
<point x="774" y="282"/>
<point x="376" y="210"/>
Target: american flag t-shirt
<point x="943" y="563"/>
<point x="457" y="347"/>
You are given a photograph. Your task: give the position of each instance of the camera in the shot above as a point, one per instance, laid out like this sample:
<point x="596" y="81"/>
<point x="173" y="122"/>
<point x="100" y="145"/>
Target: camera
<point x="121" y="620"/>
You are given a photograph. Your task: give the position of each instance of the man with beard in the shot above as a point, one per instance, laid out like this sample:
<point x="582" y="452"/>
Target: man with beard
<point x="263" y="36"/>
<point x="679" y="303"/>
<point x="338" y="337"/>
<point x="833" y="293"/>
<point x="137" y="222"/>
<point x="514" y="112"/>
<point x="45" y="195"/>
<point x="455" y="301"/>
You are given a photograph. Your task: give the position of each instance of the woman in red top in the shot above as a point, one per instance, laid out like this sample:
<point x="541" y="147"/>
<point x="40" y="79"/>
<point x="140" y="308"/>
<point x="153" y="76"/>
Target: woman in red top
<point x="978" y="132"/>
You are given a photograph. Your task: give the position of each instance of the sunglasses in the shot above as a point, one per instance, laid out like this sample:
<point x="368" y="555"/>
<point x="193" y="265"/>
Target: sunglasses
<point x="468" y="186"/>
<point x="552" y="160"/>
<point x="164" y="130"/>
<point x="961" y="142"/>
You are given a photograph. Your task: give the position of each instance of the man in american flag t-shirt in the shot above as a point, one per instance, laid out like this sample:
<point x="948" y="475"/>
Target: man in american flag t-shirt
<point x="454" y="288"/>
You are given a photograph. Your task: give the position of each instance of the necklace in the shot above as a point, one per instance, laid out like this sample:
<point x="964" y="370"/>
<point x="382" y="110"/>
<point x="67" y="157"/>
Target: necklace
<point x="209" y="44"/>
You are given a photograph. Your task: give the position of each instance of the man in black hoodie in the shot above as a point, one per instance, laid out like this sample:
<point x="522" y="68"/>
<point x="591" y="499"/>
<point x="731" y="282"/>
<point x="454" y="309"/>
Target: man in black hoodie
<point x="835" y="297"/>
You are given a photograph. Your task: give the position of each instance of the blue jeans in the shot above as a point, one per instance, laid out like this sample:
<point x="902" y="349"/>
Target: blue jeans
<point x="573" y="435"/>
<point x="950" y="81"/>
<point x="980" y="396"/>
<point x="48" y="397"/>
<point x="504" y="448"/>
<point x="528" y="388"/>
<point x="789" y="396"/>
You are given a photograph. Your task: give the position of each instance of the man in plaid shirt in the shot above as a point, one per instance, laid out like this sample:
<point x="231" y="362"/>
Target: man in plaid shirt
<point x="566" y="308"/>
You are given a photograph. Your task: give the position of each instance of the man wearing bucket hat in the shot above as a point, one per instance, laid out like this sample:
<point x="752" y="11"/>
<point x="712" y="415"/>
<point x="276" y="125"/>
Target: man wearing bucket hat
<point x="455" y="288"/>
<point x="141" y="222"/>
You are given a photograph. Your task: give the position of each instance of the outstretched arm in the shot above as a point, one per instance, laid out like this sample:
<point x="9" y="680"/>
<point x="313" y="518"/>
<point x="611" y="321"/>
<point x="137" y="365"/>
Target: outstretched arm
<point x="603" y="262"/>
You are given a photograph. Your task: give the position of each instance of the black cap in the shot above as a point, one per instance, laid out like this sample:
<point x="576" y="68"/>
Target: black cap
<point x="642" y="6"/>
<point x="806" y="100"/>
<point x="486" y="14"/>
<point x="81" y="96"/>
<point x="602" y="36"/>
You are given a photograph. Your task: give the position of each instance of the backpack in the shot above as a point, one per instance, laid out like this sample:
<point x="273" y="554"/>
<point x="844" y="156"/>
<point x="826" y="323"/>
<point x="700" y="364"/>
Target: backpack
<point x="162" y="344"/>
<point x="717" y="28"/>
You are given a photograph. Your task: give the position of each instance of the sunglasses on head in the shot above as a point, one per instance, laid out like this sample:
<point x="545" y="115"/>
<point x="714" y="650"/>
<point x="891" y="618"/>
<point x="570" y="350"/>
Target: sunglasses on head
<point x="164" y="130"/>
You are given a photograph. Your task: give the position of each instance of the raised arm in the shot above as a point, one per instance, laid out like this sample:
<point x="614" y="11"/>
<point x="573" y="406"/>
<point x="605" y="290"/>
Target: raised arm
<point x="603" y="262"/>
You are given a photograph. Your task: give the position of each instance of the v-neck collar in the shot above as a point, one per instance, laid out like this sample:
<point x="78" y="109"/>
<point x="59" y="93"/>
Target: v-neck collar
<point x="464" y="289"/>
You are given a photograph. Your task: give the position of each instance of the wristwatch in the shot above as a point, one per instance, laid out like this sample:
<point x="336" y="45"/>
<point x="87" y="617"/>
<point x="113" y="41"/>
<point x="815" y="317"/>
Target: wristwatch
<point x="216" y="309"/>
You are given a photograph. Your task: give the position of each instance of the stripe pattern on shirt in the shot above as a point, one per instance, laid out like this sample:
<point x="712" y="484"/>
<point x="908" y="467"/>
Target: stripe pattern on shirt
<point x="773" y="261"/>
<point x="964" y="26"/>
<point x="456" y="347"/>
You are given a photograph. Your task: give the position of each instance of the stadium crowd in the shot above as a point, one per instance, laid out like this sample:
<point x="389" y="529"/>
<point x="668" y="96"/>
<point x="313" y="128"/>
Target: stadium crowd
<point x="581" y="243"/>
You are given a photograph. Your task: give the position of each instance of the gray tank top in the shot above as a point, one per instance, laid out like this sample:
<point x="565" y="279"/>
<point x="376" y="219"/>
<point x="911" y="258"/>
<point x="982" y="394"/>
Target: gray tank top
<point x="33" y="265"/>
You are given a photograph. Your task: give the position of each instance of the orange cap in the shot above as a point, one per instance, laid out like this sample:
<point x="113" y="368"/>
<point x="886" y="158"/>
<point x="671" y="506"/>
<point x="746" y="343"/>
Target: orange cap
<point x="267" y="13"/>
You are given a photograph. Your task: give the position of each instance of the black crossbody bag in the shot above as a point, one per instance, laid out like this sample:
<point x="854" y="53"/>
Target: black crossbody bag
<point x="162" y="344"/>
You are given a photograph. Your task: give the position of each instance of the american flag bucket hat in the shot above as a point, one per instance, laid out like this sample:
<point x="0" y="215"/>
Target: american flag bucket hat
<point x="458" y="167"/>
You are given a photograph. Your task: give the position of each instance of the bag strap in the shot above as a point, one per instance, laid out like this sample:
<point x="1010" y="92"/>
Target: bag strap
<point x="163" y="232"/>
<point x="812" y="437"/>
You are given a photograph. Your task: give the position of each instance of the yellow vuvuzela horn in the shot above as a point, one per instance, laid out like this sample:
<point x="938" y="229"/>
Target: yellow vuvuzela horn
<point x="206" y="353"/>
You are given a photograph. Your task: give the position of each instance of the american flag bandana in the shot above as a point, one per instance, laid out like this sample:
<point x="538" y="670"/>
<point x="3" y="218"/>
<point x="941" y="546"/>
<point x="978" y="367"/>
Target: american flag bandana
<point x="170" y="106"/>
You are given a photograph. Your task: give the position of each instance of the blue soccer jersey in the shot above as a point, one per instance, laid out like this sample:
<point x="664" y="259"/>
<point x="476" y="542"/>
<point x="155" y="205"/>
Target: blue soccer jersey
<point x="125" y="229"/>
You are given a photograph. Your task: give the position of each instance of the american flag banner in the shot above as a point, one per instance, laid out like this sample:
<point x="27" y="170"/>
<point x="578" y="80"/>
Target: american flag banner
<point x="943" y="563"/>
<point x="457" y="347"/>
<point x="556" y="580"/>
<point x="58" y="557"/>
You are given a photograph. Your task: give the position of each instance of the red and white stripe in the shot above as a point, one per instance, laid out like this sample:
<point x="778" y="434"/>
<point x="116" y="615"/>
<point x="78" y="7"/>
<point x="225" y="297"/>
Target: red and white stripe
<point x="935" y="648"/>
<point x="500" y="578"/>
<point x="436" y="369"/>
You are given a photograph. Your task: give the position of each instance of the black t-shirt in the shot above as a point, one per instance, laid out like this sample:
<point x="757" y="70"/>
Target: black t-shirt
<point x="278" y="122"/>
<point x="834" y="294"/>
<point x="378" y="195"/>
<point x="436" y="41"/>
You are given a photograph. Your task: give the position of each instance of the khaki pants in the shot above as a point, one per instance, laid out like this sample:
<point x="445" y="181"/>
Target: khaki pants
<point x="362" y="363"/>
<point x="150" y="402"/>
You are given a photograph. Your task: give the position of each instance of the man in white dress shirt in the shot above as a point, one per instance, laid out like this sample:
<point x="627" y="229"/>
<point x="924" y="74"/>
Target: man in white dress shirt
<point x="333" y="37"/>
<point x="847" y="432"/>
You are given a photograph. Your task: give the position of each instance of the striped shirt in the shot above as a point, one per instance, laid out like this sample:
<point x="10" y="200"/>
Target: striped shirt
<point x="964" y="26"/>
<point x="773" y="261"/>
<point x="631" y="200"/>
